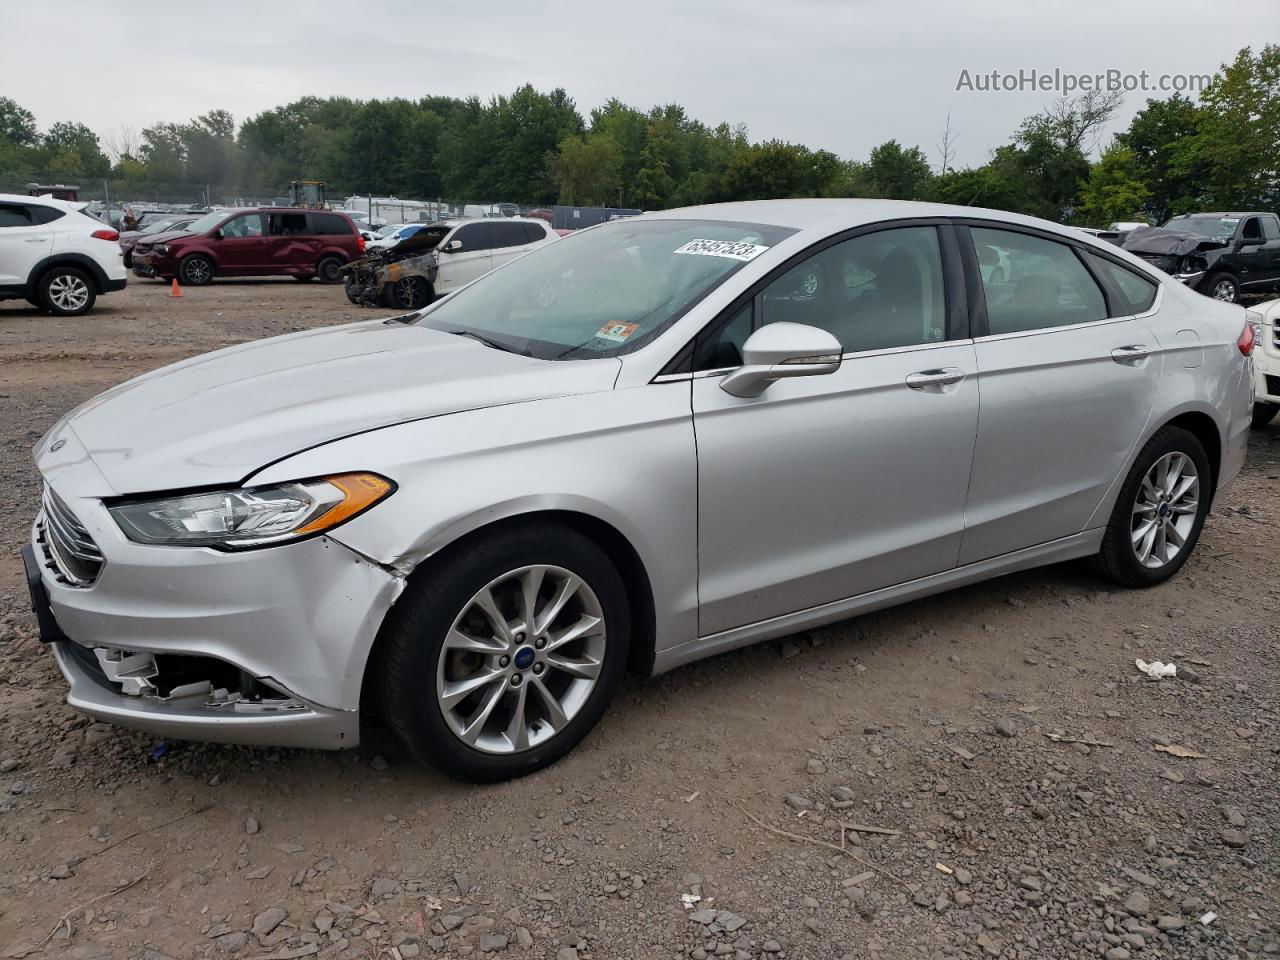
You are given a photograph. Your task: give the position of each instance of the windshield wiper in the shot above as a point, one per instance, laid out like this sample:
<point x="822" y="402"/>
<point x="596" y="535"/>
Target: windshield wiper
<point x="482" y="339"/>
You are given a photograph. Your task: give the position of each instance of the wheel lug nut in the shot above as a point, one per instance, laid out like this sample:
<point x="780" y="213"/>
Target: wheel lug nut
<point x="537" y="668"/>
<point x="519" y="638"/>
<point x="540" y="642"/>
<point x="516" y="680"/>
<point x="503" y="660"/>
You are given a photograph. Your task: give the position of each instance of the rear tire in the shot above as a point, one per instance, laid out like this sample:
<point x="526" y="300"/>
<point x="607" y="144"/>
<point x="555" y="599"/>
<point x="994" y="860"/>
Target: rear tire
<point x="329" y="270"/>
<point x="415" y="670"/>
<point x="1145" y="500"/>
<point x="1221" y="286"/>
<point x="1263" y="414"/>
<point x="66" y="292"/>
<point x="195" y="271"/>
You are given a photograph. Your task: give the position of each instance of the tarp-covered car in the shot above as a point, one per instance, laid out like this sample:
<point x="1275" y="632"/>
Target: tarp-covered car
<point x="1220" y="254"/>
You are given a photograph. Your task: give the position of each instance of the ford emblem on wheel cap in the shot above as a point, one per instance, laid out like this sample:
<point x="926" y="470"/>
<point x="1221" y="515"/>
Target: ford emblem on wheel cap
<point x="524" y="658"/>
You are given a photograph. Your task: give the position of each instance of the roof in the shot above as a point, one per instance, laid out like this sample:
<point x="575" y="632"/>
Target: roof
<point x="826" y="216"/>
<point x="1246" y="213"/>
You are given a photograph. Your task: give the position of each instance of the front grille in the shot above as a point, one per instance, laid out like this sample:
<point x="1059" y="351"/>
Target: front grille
<point x="68" y="547"/>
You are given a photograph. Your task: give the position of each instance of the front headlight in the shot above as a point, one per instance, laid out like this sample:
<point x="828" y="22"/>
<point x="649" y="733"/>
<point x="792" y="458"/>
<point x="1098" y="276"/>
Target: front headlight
<point x="249" y="517"/>
<point x="161" y="248"/>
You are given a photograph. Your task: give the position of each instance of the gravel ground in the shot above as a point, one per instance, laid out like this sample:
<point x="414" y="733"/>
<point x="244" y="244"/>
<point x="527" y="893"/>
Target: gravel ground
<point x="981" y="774"/>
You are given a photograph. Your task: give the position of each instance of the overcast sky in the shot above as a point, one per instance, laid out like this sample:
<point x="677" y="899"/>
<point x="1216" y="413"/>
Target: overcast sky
<point x="843" y="76"/>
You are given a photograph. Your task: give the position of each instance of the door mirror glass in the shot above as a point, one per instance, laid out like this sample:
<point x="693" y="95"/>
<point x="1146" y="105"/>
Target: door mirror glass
<point x="453" y="246"/>
<point x="780" y="350"/>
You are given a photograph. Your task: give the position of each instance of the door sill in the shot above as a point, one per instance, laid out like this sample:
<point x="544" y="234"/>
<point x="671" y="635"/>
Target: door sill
<point x="1078" y="545"/>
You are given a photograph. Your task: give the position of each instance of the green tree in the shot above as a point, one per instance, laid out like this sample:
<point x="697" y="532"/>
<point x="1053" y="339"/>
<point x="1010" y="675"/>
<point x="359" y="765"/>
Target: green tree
<point x="587" y="170"/>
<point x="72" y="150"/>
<point x="1115" y="189"/>
<point x="1239" y="137"/>
<point x="897" y="173"/>
<point x="1164" y="139"/>
<point x="17" y="124"/>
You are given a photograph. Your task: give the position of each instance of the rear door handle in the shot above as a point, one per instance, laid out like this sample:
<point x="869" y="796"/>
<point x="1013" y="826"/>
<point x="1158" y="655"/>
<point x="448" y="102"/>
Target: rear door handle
<point x="35" y="239"/>
<point x="941" y="377"/>
<point x="1130" y="354"/>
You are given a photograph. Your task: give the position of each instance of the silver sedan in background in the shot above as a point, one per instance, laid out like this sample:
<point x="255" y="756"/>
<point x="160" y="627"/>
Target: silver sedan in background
<point x="663" y="438"/>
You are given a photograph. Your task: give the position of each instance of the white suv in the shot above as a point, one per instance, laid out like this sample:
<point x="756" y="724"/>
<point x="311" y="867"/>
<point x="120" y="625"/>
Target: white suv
<point x="55" y="256"/>
<point x="1266" y="362"/>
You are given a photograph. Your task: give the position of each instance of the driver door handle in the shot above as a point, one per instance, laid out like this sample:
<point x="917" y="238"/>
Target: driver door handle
<point x="941" y="377"/>
<point x="1132" y="353"/>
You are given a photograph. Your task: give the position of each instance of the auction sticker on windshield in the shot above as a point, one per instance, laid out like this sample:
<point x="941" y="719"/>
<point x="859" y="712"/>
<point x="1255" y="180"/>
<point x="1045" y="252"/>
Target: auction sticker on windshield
<point x="618" y="332"/>
<point x="733" y="249"/>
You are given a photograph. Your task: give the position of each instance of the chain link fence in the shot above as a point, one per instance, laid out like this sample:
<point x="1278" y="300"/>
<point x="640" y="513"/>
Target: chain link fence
<point x="109" y="198"/>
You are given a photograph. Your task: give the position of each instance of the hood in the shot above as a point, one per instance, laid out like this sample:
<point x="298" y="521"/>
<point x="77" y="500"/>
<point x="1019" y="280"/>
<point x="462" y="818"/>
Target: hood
<point x="220" y="417"/>
<point x="150" y="238"/>
<point x="1159" y="240"/>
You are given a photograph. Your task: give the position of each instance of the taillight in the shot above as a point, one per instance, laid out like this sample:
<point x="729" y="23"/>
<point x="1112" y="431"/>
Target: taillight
<point x="360" y="243"/>
<point x="1249" y="335"/>
<point x="105" y="235"/>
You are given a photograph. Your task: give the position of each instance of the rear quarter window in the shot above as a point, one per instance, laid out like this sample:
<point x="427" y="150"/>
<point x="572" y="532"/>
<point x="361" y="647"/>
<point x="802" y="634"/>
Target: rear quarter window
<point x="330" y="224"/>
<point x="41" y="214"/>
<point x="1131" y="292"/>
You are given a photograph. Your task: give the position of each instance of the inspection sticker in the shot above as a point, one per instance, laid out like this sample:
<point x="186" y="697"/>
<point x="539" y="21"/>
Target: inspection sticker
<point x="617" y="332"/>
<point x="733" y="249"/>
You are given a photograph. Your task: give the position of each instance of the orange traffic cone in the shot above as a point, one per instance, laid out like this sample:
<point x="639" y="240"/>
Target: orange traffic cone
<point x="175" y="290"/>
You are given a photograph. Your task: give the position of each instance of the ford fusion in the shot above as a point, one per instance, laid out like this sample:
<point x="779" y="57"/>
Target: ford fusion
<point x="659" y="439"/>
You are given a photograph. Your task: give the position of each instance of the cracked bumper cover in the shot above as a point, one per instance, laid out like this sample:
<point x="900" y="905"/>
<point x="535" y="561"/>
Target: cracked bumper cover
<point x="297" y="620"/>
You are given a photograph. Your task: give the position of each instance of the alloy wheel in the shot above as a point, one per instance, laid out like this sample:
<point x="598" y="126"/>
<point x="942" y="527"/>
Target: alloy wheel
<point x="521" y="659"/>
<point x="68" y="292"/>
<point x="1224" y="290"/>
<point x="1165" y="509"/>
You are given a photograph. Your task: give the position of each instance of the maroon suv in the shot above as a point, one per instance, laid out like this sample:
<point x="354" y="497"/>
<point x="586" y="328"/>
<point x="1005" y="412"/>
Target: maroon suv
<point x="268" y="241"/>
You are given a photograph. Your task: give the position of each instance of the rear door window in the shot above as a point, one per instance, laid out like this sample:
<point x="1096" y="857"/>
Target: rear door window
<point x="12" y="215"/>
<point x="287" y="224"/>
<point x="509" y="234"/>
<point x="1034" y="284"/>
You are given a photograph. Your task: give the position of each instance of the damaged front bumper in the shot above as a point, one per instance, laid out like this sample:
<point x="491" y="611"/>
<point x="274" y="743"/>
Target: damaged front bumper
<point x="263" y="647"/>
<point x="1190" y="279"/>
<point x="99" y="688"/>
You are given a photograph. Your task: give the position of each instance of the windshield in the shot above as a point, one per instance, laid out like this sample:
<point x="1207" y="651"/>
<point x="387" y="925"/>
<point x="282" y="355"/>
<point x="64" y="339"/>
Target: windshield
<point x="604" y="291"/>
<point x="209" y="221"/>
<point x="389" y="229"/>
<point x="1217" y="227"/>
<point x="162" y="226"/>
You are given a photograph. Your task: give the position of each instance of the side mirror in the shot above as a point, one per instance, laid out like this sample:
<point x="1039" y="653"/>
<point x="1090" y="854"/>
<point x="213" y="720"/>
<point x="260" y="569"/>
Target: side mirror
<point x="216" y="235"/>
<point x="453" y="246"/>
<point x="780" y="350"/>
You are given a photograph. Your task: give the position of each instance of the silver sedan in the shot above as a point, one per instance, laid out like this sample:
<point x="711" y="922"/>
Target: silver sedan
<point x="663" y="438"/>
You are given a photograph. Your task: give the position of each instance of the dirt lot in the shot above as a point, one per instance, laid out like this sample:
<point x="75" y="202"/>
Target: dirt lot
<point x="934" y="724"/>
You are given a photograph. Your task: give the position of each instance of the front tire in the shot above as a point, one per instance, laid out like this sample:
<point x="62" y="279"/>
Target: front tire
<point x="501" y="657"/>
<point x="1263" y="414"/>
<point x="1221" y="286"/>
<point x="195" y="271"/>
<point x="411" y="293"/>
<point x="66" y="292"/>
<point x="1160" y="512"/>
